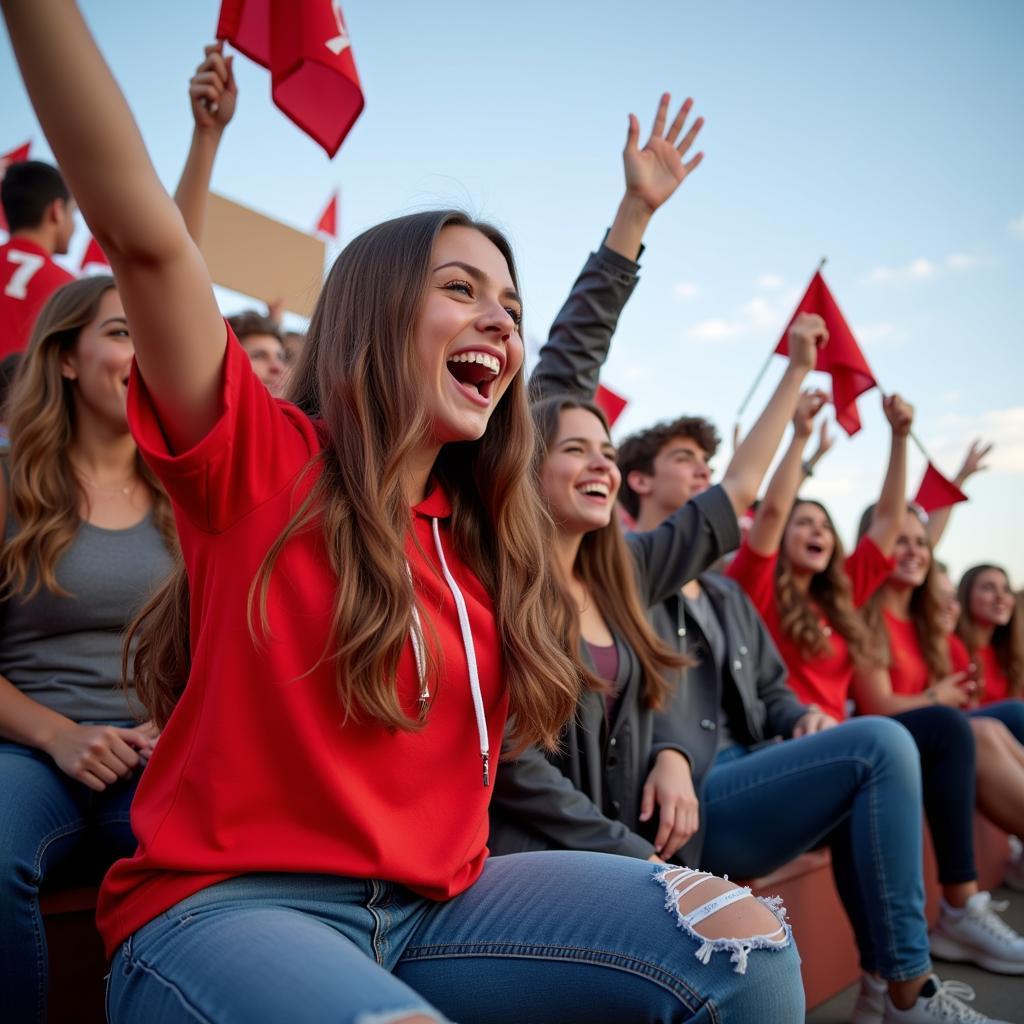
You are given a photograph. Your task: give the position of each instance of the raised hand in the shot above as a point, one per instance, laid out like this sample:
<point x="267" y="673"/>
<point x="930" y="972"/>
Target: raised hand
<point x="899" y="413"/>
<point x="974" y="460"/>
<point x="213" y="90"/>
<point x="808" y="406"/>
<point x="807" y="334"/>
<point x="656" y="171"/>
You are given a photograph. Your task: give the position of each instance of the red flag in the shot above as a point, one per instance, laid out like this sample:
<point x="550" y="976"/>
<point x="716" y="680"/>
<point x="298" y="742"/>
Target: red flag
<point x="306" y="46"/>
<point x="93" y="255"/>
<point x="937" y="492"/>
<point x="328" y="222"/>
<point x="610" y="403"/>
<point x="15" y="156"/>
<point x="841" y="357"/>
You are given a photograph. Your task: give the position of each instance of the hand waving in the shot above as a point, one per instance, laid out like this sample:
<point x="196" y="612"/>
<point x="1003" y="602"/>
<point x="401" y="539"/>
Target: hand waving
<point x="656" y="171"/>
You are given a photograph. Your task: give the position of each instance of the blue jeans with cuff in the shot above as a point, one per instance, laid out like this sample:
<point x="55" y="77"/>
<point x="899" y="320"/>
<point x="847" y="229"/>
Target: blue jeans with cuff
<point x="555" y="936"/>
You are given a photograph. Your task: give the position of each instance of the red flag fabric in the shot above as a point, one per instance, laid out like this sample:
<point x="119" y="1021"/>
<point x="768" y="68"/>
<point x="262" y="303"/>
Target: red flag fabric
<point x="93" y="255"/>
<point x="328" y="222"/>
<point x="841" y="357"/>
<point x="15" y="156"/>
<point x="937" y="492"/>
<point x="610" y="403"/>
<point x="306" y="47"/>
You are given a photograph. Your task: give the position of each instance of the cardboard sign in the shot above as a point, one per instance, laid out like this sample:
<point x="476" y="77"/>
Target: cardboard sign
<point x="259" y="256"/>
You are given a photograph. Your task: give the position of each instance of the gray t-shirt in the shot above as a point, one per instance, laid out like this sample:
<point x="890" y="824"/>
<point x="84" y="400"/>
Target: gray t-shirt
<point x="65" y="652"/>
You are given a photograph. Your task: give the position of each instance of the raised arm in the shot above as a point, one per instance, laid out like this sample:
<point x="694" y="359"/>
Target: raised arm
<point x="577" y="347"/>
<point x="974" y="462"/>
<point x="177" y="330"/>
<point x="213" y="94"/>
<point x="887" y="519"/>
<point x="747" y="468"/>
<point x="769" y="524"/>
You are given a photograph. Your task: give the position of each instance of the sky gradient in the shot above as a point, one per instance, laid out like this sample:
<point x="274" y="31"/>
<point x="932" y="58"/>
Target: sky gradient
<point x="887" y="137"/>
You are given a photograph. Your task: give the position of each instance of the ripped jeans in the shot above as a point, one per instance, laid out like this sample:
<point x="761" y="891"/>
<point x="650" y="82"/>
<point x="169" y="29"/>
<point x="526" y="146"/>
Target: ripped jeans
<point x="554" y="937"/>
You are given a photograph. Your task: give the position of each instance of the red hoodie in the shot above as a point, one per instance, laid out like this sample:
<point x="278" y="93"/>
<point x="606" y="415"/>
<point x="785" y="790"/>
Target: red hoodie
<point x="256" y="770"/>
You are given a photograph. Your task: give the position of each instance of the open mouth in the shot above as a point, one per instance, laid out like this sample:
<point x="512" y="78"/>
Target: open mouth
<point x="475" y="372"/>
<point x="595" y="490"/>
<point x="815" y="549"/>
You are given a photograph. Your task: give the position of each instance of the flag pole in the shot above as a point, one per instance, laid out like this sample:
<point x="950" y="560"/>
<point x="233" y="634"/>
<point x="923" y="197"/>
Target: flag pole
<point x="764" y="367"/>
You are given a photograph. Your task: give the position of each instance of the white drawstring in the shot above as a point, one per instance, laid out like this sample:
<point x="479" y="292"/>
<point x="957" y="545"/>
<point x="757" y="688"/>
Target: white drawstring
<point x="416" y="636"/>
<point x="467" y="643"/>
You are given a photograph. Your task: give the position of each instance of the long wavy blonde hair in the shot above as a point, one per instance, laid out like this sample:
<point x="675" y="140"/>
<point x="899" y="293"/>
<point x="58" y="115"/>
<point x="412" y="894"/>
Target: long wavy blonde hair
<point x="832" y="593"/>
<point x="1007" y="641"/>
<point x="359" y="375"/>
<point x="44" y="493"/>
<point x="925" y="611"/>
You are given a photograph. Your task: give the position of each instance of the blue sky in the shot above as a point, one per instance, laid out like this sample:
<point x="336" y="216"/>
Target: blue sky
<point x="885" y="136"/>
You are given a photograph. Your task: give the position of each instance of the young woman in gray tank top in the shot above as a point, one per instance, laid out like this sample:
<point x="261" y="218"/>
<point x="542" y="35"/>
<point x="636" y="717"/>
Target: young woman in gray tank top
<point x="87" y="539"/>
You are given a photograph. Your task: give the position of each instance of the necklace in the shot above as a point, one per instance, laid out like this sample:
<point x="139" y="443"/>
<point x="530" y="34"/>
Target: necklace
<point x="129" y="489"/>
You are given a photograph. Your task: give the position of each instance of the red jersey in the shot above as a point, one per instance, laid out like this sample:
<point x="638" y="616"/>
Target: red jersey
<point x="28" y="277"/>
<point x="823" y="680"/>
<point x="256" y="770"/>
<point x="995" y="686"/>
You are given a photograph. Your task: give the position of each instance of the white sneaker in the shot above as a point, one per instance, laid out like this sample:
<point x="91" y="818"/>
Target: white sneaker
<point x="978" y="935"/>
<point x="870" y="1005"/>
<point x="939" y="1001"/>
<point x="1014" y="878"/>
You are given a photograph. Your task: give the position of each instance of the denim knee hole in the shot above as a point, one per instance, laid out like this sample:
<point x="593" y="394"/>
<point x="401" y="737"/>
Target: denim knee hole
<point x="677" y="882"/>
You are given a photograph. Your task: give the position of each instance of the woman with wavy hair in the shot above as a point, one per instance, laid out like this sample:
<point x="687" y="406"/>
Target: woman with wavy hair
<point x="925" y="665"/>
<point x="87" y="538"/>
<point x="793" y="567"/>
<point x="366" y="577"/>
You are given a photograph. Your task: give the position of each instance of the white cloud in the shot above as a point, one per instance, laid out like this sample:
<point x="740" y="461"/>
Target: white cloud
<point x="686" y="290"/>
<point x="1017" y="226"/>
<point x="715" y="329"/>
<point x="761" y="313"/>
<point x="960" y="261"/>
<point x="876" y="334"/>
<point x="920" y="269"/>
<point x="769" y="282"/>
<point x="1004" y="427"/>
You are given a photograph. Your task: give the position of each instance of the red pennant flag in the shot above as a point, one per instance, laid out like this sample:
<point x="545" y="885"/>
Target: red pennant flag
<point x="94" y="256"/>
<point x="306" y="47"/>
<point x="841" y="357"/>
<point x="610" y="403"/>
<point x="328" y="222"/>
<point x="15" y="156"/>
<point x="937" y="492"/>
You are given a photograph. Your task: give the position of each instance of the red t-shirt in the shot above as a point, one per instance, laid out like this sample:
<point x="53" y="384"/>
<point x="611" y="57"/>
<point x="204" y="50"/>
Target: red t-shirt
<point x="256" y="771"/>
<point x="995" y="685"/>
<point x="907" y="668"/>
<point x="28" y="277"/>
<point x="823" y="680"/>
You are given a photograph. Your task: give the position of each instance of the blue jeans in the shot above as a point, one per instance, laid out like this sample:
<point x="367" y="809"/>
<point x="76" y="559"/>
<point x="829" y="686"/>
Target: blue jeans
<point x="855" y="788"/>
<point x="554" y="936"/>
<point x="1009" y="712"/>
<point x="50" y="825"/>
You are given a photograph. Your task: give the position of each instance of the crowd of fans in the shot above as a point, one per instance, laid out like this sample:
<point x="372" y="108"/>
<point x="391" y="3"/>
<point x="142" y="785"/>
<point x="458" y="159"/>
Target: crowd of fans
<point x="220" y="616"/>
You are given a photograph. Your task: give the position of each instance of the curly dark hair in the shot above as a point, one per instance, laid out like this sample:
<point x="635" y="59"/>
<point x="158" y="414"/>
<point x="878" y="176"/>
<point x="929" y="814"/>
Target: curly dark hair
<point x="639" y="450"/>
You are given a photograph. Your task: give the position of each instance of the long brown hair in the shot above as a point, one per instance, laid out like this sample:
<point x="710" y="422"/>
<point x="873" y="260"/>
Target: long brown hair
<point x="831" y="591"/>
<point x="1007" y="641"/>
<point x="45" y="494"/>
<point x="925" y="610"/>
<point x="359" y="374"/>
<point x="607" y="570"/>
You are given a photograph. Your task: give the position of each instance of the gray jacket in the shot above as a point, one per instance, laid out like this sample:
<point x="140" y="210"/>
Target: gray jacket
<point x="752" y="680"/>
<point x="587" y="796"/>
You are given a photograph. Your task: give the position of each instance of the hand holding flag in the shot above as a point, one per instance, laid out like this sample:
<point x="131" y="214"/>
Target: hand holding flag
<point x="212" y="90"/>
